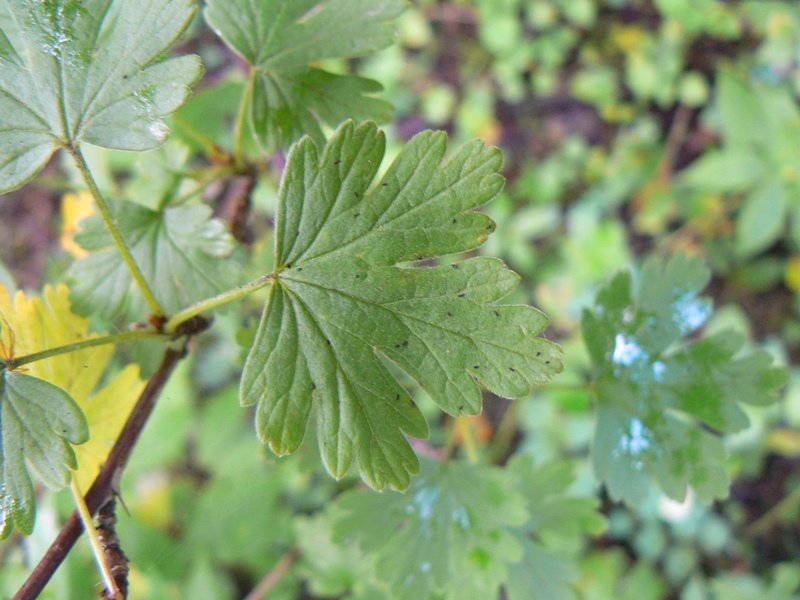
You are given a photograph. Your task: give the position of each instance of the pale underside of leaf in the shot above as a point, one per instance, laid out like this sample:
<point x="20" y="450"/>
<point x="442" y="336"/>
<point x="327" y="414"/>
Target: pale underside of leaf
<point x="88" y="71"/>
<point x="37" y="420"/>
<point x="340" y="306"/>
<point x="183" y="252"/>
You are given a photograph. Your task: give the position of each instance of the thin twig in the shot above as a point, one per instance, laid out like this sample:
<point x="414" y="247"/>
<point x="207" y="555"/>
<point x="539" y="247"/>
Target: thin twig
<point x="272" y="578"/>
<point x="94" y="540"/>
<point x="102" y="486"/>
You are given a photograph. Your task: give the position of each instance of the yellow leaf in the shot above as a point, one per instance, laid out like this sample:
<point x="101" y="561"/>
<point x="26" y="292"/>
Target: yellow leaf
<point x="74" y="207"/>
<point x="37" y="325"/>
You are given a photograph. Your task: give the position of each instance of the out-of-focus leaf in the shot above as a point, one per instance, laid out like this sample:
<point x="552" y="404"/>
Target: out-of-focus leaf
<point x="280" y="39"/>
<point x="182" y="252"/>
<point x="654" y="390"/>
<point x="87" y="71"/>
<point x="450" y="531"/>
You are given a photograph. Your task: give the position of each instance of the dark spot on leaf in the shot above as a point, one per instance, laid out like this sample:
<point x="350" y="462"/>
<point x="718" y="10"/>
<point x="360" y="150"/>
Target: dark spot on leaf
<point x="449" y="314"/>
<point x="547" y="362"/>
<point x="496" y="314"/>
<point x="460" y="408"/>
<point x="296" y="233"/>
<point x="357" y="275"/>
<point x="476" y="366"/>
<point x="336" y="162"/>
<point x="488" y="227"/>
<point x="299" y="269"/>
<point x="384" y="184"/>
<point x="461" y="295"/>
<point x="454" y="220"/>
<point x="412" y="403"/>
<point x="356" y="215"/>
<point x="454" y="265"/>
<point x="397" y="345"/>
<point x="124" y="76"/>
<point x="538" y="354"/>
<point x="357" y="196"/>
<point x="420" y="257"/>
<point x="512" y="369"/>
<point x="288" y="265"/>
<point x="397" y="397"/>
<point x="313" y="386"/>
<point x="329" y="342"/>
<point x="405" y="343"/>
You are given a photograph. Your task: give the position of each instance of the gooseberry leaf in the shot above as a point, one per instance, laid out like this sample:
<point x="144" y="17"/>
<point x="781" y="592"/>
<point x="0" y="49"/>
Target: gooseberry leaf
<point x="340" y="305"/>
<point x="280" y="39"/>
<point x="88" y="71"/>
<point x="182" y="252"/>
<point x="462" y="530"/>
<point x="450" y="533"/>
<point x="38" y="324"/>
<point x="662" y="401"/>
<point x="37" y="422"/>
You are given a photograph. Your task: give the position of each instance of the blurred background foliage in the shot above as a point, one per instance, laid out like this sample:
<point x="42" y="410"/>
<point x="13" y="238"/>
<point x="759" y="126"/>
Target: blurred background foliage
<point x="628" y="127"/>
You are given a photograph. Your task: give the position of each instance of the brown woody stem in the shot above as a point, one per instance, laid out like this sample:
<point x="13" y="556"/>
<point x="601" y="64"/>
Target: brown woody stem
<point x="102" y="486"/>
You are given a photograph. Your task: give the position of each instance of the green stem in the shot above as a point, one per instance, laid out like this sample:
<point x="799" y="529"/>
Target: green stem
<point x="149" y="297"/>
<point x="238" y="152"/>
<point x="125" y="336"/>
<point x="94" y="540"/>
<point x="504" y="435"/>
<point x="206" y="305"/>
<point x="761" y="525"/>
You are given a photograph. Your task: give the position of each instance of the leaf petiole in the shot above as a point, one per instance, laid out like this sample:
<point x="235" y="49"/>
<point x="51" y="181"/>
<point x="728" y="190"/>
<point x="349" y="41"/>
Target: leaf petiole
<point x="238" y="151"/>
<point x="119" y="241"/>
<point x="206" y="305"/>
<point x="125" y="336"/>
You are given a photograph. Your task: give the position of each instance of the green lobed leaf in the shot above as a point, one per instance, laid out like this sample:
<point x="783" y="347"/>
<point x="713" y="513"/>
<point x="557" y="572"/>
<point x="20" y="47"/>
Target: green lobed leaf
<point x="282" y="38"/>
<point x="37" y="422"/>
<point x="450" y="532"/>
<point x="182" y="252"/>
<point x="340" y="306"/>
<point x="87" y="71"/>
<point x="462" y="530"/>
<point x="661" y="399"/>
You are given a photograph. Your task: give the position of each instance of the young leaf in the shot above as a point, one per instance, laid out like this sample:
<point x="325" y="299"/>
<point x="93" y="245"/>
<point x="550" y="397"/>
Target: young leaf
<point x="340" y="305"/>
<point x="39" y="324"/>
<point x="88" y="70"/>
<point x="37" y="420"/>
<point x="182" y="252"/>
<point x="281" y="38"/>
<point x="658" y="395"/>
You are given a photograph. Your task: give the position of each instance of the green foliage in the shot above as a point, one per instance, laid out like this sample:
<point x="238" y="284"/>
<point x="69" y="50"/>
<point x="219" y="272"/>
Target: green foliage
<point x="630" y="130"/>
<point x="339" y="302"/>
<point x="87" y="71"/>
<point x="184" y="253"/>
<point x="463" y="530"/>
<point x="280" y="39"/>
<point x="655" y="390"/>
<point x="38" y="421"/>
